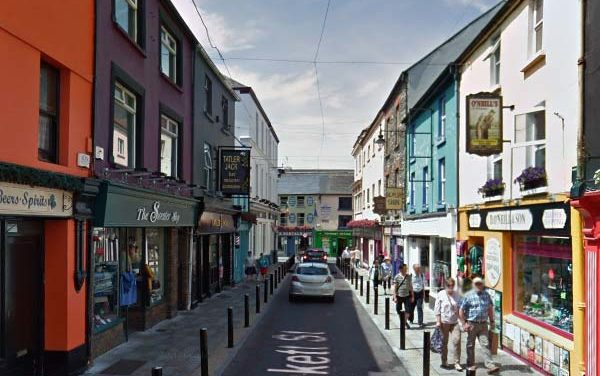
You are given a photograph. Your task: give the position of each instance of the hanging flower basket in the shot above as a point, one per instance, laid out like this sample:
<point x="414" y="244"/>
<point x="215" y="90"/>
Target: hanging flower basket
<point x="531" y="178"/>
<point x="362" y="223"/>
<point x="492" y="188"/>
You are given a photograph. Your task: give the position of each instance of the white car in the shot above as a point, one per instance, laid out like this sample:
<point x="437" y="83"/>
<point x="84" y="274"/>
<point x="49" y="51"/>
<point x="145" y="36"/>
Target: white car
<point x="312" y="279"/>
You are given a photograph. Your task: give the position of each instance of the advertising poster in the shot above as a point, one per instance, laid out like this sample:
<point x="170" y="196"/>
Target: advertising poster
<point x="484" y="124"/>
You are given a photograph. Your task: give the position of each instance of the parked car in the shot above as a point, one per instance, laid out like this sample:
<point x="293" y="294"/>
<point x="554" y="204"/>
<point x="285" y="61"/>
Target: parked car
<point x="314" y="255"/>
<point x="312" y="279"/>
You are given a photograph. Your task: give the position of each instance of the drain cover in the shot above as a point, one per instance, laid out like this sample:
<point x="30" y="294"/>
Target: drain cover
<point x="123" y="367"/>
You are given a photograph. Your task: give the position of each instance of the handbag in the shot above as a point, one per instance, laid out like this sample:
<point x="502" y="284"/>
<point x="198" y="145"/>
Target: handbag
<point x="437" y="341"/>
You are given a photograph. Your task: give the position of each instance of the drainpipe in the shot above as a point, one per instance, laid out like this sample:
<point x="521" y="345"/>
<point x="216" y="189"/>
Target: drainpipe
<point x="581" y="160"/>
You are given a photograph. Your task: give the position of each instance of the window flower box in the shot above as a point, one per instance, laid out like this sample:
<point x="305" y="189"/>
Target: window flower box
<point x="492" y="188"/>
<point x="532" y="178"/>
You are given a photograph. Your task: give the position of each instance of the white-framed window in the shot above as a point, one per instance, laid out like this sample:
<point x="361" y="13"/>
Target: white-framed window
<point x="169" y="146"/>
<point x="364" y="158"/>
<point x="536" y="32"/>
<point x="413" y="144"/>
<point x="495" y="167"/>
<point x="368" y="152"/>
<point x="442" y="181"/>
<point x="379" y="188"/>
<point x="368" y="197"/>
<point x="530" y="137"/>
<point x="168" y="54"/>
<point x="126" y="15"/>
<point x="374" y="147"/>
<point x="208" y="167"/>
<point x="442" y="120"/>
<point x="300" y="221"/>
<point x="124" y="126"/>
<point x="208" y="95"/>
<point x="495" y="62"/>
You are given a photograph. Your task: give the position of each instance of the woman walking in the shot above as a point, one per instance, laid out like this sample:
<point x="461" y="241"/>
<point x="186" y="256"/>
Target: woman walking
<point x="375" y="274"/>
<point x="446" y="310"/>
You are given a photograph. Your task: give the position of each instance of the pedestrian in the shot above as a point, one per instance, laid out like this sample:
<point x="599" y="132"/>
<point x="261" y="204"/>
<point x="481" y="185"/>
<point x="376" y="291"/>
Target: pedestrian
<point x="418" y="287"/>
<point x="375" y="274"/>
<point x="386" y="273"/>
<point x="446" y="310"/>
<point x="263" y="264"/>
<point x="250" y="267"/>
<point x="402" y="292"/>
<point x="357" y="263"/>
<point x="476" y="309"/>
<point x="345" y="256"/>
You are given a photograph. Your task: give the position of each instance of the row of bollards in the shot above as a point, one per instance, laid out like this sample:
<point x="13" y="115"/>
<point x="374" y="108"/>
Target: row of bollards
<point x="275" y="278"/>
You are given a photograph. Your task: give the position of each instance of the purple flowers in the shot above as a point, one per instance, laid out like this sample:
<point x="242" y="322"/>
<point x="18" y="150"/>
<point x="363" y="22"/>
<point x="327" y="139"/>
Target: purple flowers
<point x="532" y="175"/>
<point x="492" y="187"/>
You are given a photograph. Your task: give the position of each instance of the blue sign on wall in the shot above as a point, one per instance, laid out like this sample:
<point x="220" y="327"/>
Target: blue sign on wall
<point x="310" y="201"/>
<point x="310" y="218"/>
<point x="292" y="201"/>
<point x="292" y="218"/>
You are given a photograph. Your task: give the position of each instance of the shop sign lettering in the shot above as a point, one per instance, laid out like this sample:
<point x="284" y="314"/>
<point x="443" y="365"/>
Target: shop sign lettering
<point x="21" y="199"/>
<point x="554" y="218"/>
<point x="493" y="261"/>
<point x="155" y="215"/>
<point x="475" y="220"/>
<point x="518" y="220"/>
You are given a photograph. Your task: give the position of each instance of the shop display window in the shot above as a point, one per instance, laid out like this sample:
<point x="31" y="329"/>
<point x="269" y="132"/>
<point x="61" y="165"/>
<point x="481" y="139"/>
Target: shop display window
<point x="441" y="263"/>
<point x="543" y="280"/>
<point x="106" y="278"/>
<point x="154" y="270"/>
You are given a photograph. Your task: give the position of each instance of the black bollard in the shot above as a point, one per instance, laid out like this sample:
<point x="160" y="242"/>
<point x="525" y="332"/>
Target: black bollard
<point x="356" y="280"/>
<point x="361" y="285"/>
<point x="246" y="310"/>
<point x="203" y="352"/>
<point x="351" y="277"/>
<point x="229" y="327"/>
<point x="271" y="284"/>
<point x="471" y="372"/>
<point x="402" y="330"/>
<point x="266" y="288"/>
<point x="426" y="352"/>
<point x="257" y="299"/>
<point x="275" y="277"/>
<point x="375" y="299"/>
<point x="368" y="290"/>
<point x="157" y="371"/>
<point x="387" y="313"/>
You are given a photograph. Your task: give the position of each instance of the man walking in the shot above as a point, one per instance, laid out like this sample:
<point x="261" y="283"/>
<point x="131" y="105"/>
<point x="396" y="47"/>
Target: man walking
<point x="475" y="311"/>
<point x="386" y="273"/>
<point x="402" y="292"/>
<point x="418" y="287"/>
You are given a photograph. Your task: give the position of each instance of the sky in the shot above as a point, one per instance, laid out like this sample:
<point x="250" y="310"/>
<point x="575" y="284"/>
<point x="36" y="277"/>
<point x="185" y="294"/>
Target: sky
<point x="375" y="31"/>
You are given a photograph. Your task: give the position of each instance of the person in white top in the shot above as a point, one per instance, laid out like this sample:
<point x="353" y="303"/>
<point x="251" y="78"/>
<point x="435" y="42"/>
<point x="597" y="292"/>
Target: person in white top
<point x="446" y="310"/>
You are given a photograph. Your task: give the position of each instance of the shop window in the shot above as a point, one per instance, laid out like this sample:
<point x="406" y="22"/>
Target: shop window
<point x="543" y="280"/>
<point x="168" y="54"/>
<point x="300" y="202"/>
<point x="169" y="144"/>
<point x="48" y="120"/>
<point x="154" y="269"/>
<point x="225" y="111"/>
<point x="124" y="127"/>
<point x="441" y="263"/>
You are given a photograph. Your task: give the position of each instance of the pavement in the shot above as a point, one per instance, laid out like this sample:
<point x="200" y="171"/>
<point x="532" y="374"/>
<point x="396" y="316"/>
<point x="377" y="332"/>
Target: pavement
<point x="175" y="344"/>
<point x="314" y="336"/>
<point x="412" y="357"/>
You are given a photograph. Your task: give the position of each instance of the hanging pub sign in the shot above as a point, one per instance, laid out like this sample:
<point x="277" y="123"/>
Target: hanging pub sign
<point x="234" y="167"/>
<point x="379" y="205"/>
<point x="484" y="124"/>
<point x="393" y="198"/>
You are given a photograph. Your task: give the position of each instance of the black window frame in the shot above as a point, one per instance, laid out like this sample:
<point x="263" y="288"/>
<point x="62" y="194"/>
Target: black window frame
<point x="45" y="155"/>
<point x="176" y="34"/>
<point x="208" y="93"/>
<point x="347" y="206"/>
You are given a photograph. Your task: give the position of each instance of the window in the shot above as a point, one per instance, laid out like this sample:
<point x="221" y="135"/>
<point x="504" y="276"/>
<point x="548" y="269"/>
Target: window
<point x="495" y="62"/>
<point x="537" y="23"/>
<point x="442" y="256"/>
<point x="126" y="16"/>
<point x="208" y="167"/>
<point x="374" y="147"/>
<point x="413" y="144"/>
<point x="283" y="201"/>
<point x="530" y="136"/>
<point x="300" y="203"/>
<point x="168" y="54"/>
<point x="368" y="196"/>
<point x="364" y="158"/>
<point x="124" y="127"/>
<point x="155" y="263"/>
<point x="48" y="121"/>
<point x="425" y="186"/>
<point x="225" y="110"/>
<point x="300" y="219"/>
<point x="543" y="281"/>
<point x="369" y="152"/>
<point x="373" y="192"/>
<point x="396" y="133"/>
<point x="495" y="167"/>
<point x="397" y="178"/>
<point x="344" y="203"/>
<point x="442" y="120"/>
<point x="379" y="188"/>
<point x="343" y="221"/>
<point x="169" y="146"/>
<point x="256" y="126"/>
<point x="442" y="181"/>
<point x="208" y="95"/>
<point x="282" y="219"/>
<point x="412" y="189"/>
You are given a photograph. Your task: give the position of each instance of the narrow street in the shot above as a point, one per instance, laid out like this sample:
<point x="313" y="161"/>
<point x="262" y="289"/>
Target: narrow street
<point x="316" y="337"/>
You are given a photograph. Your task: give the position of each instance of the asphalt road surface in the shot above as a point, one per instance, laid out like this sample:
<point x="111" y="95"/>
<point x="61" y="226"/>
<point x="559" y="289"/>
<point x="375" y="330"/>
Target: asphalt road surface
<point x="312" y="337"/>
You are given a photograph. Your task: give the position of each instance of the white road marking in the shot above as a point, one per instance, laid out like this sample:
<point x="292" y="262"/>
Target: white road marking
<point x="303" y="360"/>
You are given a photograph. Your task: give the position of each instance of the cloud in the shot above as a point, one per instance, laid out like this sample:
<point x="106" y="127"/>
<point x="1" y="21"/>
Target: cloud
<point x="480" y="5"/>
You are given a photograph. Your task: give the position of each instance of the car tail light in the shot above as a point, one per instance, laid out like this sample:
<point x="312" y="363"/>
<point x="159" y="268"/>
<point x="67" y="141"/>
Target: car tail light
<point x="295" y="279"/>
<point x="325" y="257"/>
<point x="328" y="279"/>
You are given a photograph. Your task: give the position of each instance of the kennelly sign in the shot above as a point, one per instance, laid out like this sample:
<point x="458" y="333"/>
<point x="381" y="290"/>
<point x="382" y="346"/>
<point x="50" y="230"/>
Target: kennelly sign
<point x="234" y="177"/>
<point x="549" y="218"/>
<point x="16" y="199"/>
<point x="393" y="198"/>
<point x="484" y="124"/>
<point x="214" y="223"/>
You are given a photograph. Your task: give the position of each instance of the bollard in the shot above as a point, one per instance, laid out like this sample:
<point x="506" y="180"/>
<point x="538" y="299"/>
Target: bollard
<point x="157" y="371"/>
<point x="426" y="352"/>
<point x="246" y="310"/>
<point x="257" y="299"/>
<point x="361" y="285"/>
<point x="266" y="288"/>
<point x="203" y="352"/>
<point x="368" y="290"/>
<point x="275" y="278"/>
<point x="271" y="284"/>
<point x="471" y="372"/>
<point x="375" y="299"/>
<point x="356" y="280"/>
<point x="351" y="277"/>
<point x="402" y="330"/>
<point x="229" y="327"/>
<point x="387" y="313"/>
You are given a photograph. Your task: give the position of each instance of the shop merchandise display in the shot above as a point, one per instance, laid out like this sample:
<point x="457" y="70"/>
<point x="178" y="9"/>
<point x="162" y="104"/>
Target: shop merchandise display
<point x="105" y="280"/>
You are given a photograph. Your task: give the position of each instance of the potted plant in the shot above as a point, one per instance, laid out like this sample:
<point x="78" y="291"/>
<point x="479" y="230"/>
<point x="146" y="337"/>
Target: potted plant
<point x="492" y="188"/>
<point x="532" y="177"/>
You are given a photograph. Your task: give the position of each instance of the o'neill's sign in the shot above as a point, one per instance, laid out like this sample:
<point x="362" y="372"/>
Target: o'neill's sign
<point x="484" y="124"/>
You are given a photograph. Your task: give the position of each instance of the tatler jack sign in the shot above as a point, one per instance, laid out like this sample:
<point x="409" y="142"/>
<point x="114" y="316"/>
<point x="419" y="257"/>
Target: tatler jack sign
<point x="234" y="168"/>
<point x="484" y="124"/>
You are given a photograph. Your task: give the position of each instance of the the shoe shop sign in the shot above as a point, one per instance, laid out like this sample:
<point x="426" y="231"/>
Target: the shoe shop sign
<point x="16" y="199"/>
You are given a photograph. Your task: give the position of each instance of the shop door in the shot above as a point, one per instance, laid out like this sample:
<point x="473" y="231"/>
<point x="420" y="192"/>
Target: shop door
<point x="206" y="267"/>
<point x="23" y="308"/>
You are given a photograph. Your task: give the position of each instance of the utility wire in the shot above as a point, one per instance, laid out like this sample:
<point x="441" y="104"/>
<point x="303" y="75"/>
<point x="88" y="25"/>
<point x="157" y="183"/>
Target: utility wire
<point x="303" y="61"/>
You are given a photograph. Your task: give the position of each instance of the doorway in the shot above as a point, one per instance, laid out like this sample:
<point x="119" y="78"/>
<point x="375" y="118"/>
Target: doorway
<point x="22" y="307"/>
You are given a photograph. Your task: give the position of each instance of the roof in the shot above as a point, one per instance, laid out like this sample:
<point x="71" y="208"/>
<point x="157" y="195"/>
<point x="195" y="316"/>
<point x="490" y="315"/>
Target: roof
<point x="423" y="74"/>
<point x="323" y="182"/>
<point x="211" y="65"/>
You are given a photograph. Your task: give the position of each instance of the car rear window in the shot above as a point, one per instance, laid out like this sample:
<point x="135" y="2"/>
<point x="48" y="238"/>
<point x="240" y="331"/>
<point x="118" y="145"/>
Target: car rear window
<point x="311" y="270"/>
<point x="315" y="253"/>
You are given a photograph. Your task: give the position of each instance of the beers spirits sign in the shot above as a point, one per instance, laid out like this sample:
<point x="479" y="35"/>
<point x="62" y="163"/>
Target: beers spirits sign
<point x="484" y="124"/>
<point x="16" y="199"/>
<point x="234" y="167"/>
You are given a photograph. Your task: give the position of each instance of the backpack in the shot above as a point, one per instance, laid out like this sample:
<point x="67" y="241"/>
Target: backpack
<point x="263" y="262"/>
